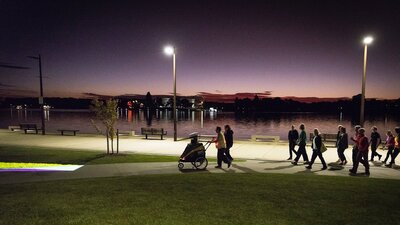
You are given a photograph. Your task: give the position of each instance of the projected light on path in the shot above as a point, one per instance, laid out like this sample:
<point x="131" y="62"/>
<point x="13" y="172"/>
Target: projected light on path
<point x="36" y="167"/>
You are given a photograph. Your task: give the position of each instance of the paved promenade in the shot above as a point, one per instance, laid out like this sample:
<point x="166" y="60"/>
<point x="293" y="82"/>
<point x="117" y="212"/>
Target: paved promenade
<point x="261" y="157"/>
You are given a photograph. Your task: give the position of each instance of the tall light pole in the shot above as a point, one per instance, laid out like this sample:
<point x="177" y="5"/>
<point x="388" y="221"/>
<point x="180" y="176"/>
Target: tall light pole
<point x="41" y="101"/>
<point x="170" y="50"/>
<point x="367" y="40"/>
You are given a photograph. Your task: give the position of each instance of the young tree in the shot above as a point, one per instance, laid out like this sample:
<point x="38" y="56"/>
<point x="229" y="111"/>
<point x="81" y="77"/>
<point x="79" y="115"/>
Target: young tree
<point x="106" y="113"/>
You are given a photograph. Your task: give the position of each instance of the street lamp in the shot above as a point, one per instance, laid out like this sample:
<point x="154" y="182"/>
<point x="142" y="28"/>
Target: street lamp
<point x="170" y="50"/>
<point x="41" y="91"/>
<point x="367" y="40"/>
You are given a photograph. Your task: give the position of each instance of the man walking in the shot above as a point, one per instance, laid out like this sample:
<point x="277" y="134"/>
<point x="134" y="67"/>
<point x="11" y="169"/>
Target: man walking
<point x="293" y="135"/>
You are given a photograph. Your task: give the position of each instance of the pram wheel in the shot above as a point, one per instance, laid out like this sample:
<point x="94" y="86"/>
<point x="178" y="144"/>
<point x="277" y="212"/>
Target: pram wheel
<point x="180" y="165"/>
<point x="201" y="163"/>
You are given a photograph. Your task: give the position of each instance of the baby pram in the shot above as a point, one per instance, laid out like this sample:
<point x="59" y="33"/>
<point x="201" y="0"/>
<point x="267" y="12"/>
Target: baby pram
<point x="195" y="153"/>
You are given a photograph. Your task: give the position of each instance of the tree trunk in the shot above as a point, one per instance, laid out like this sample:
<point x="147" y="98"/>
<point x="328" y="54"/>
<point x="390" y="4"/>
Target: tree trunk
<point x="108" y="145"/>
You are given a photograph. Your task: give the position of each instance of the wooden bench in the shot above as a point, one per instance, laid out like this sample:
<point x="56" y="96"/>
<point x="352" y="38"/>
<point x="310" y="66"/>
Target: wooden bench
<point x="29" y="127"/>
<point x="14" y="128"/>
<point x="269" y="138"/>
<point x="68" y="131"/>
<point x="154" y="131"/>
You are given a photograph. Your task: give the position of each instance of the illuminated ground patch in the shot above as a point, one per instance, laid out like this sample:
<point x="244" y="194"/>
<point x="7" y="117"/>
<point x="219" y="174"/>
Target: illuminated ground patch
<point x="26" y="167"/>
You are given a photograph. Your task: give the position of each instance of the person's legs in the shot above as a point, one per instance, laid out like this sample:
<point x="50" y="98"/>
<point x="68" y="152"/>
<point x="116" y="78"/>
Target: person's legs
<point x="374" y="152"/>
<point x="389" y="153"/>
<point x="340" y="154"/>
<point x="356" y="162"/>
<point x="321" y="157"/>
<point x="228" y="154"/>
<point x="394" y="155"/>
<point x="313" y="157"/>
<point x="299" y="153"/>
<point x="305" y="156"/>
<point x="291" y="148"/>
<point x="220" y="156"/>
<point x="365" y="161"/>
<point x="354" y="155"/>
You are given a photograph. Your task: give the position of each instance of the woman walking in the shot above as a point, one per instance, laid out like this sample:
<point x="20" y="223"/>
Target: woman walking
<point x="229" y="141"/>
<point x="342" y="145"/>
<point x="316" y="147"/>
<point x="396" y="147"/>
<point x="301" y="142"/>
<point x="389" y="145"/>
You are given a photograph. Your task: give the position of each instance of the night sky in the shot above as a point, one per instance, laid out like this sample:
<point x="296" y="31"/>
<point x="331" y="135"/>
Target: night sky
<point x="287" y="48"/>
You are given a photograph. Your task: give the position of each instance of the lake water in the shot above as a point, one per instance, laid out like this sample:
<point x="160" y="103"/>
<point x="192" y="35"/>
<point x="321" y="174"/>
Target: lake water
<point x="202" y="122"/>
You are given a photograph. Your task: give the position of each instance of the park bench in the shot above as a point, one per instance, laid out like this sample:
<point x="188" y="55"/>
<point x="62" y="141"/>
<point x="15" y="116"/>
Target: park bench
<point x="326" y="138"/>
<point x="14" y="128"/>
<point x="29" y="127"/>
<point x="268" y="138"/>
<point x="153" y="131"/>
<point x="68" y="131"/>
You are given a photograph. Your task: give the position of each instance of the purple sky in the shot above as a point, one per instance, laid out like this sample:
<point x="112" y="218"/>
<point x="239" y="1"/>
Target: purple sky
<point x="299" y="48"/>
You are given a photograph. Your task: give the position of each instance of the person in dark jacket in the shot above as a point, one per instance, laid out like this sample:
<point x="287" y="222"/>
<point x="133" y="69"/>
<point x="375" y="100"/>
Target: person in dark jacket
<point x="316" y="147"/>
<point x="342" y="145"/>
<point x="362" y="154"/>
<point x="293" y="135"/>
<point x="229" y="141"/>
<point x="337" y="142"/>
<point x="375" y="141"/>
<point x="301" y="142"/>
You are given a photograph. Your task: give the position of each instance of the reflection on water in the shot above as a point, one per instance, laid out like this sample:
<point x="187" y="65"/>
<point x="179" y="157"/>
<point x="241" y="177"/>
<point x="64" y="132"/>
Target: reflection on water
<point x="197" y="121"/>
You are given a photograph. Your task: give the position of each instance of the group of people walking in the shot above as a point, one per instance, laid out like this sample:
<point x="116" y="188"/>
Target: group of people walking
<point x="223" y="143"/>
<point x="360" y="149"/>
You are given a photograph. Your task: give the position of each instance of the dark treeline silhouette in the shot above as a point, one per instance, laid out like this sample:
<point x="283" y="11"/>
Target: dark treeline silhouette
<point x="372" y="106"/>
<point x="58" y="103"/>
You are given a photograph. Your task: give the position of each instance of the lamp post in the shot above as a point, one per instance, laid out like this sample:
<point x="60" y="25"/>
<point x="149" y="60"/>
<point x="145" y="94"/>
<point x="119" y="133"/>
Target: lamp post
<point x="41" y="102"/>
<point x="367" y="40"/>
<point x="170" y="50"/>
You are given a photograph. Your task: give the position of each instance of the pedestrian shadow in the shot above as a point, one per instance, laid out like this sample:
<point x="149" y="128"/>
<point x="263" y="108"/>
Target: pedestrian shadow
<point x="377" y="163"/>
<point x="335" y="167"/>
<point x="228" y="170"/>
<point x="307" y="171"/>
<point x="359" y="175"/>
<point x="272" y="161"/>
<point x="244" y="169"/>
<point x="280" y="167"/>
<point x="194" y="171"/>
<point x="395" y="167"/>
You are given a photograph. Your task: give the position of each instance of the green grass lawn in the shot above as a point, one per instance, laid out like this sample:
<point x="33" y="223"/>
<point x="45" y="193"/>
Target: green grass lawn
<point x="13" y="153"/>
<point x="204" y="199"/>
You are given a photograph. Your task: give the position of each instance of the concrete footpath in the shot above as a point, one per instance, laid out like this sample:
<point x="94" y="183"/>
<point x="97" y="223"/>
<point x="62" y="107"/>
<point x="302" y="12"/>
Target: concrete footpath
<point x="261" y="157"/>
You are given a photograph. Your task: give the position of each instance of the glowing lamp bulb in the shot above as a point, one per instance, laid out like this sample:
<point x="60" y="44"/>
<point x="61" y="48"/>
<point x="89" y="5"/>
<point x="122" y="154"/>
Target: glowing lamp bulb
<point x="368" y="40"/>
<point x="169" y="50"/>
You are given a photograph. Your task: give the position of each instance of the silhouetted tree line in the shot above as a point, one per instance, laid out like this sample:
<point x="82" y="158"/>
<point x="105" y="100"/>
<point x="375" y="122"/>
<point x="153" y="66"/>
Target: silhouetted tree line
<point x="58" y="103"/>
<point x="243" y="106"/>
